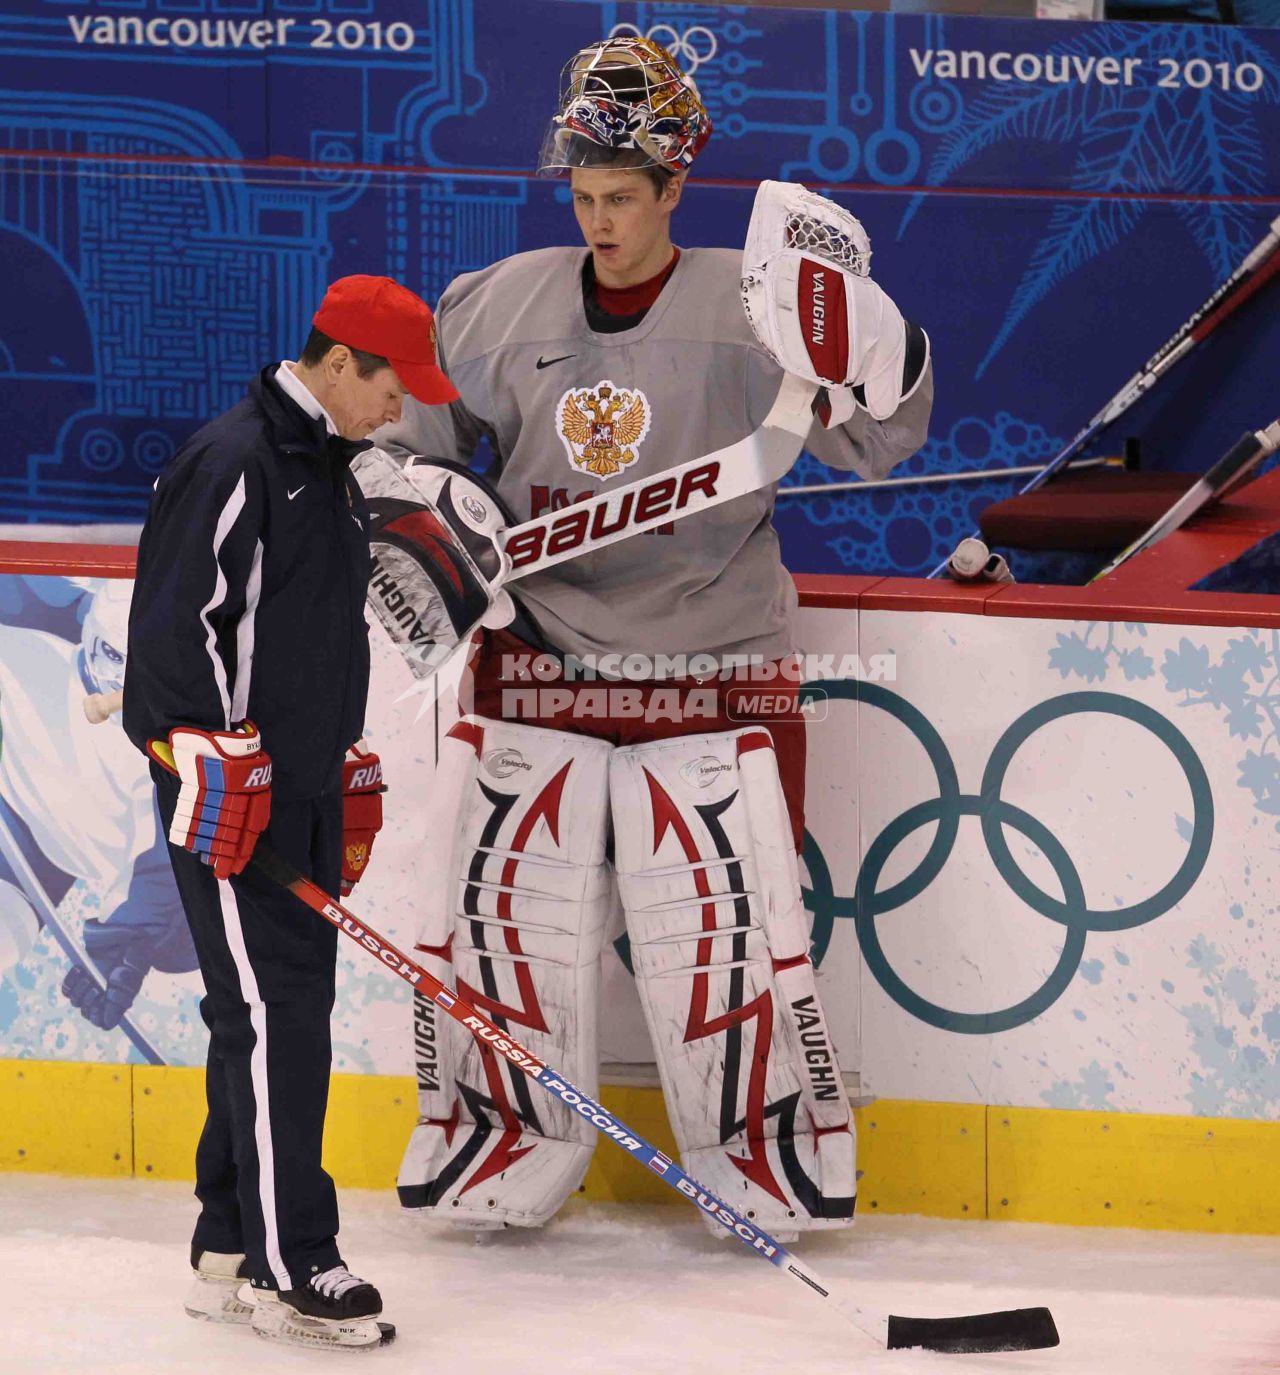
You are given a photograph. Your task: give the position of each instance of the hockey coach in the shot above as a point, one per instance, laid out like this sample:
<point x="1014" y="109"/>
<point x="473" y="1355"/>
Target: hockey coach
<point x="247" y="679"/>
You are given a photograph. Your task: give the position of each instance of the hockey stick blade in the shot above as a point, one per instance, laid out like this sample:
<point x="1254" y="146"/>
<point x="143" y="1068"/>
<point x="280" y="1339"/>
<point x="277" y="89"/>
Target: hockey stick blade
<point x="1011" y="1331"/>
<point x="1018" y="1329"/>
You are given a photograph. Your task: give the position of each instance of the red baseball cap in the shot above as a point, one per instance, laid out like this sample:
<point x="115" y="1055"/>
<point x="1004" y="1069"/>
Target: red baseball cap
<point x="377" y="315"/>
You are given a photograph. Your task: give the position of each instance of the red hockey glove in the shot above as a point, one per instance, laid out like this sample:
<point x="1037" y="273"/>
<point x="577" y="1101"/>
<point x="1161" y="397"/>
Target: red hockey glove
<point x="224" y="803"/>
<point x="362" y="791"/>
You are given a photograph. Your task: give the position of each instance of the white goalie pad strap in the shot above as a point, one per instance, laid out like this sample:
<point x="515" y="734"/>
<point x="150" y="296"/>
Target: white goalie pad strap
<point x="434" y="539"/>
<point x="720" y="946"/>
<point x="516" y="924"/>
<point x="814" y="308"/>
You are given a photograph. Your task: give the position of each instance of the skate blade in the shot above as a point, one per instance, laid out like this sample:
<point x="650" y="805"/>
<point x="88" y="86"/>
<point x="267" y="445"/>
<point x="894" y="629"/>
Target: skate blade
<point x="276" y="1322"/>
<point x="217" y="1300"/>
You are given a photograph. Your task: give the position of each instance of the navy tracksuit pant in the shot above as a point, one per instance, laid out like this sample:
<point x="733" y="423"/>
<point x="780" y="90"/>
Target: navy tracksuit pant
<point x="268" y="966"/>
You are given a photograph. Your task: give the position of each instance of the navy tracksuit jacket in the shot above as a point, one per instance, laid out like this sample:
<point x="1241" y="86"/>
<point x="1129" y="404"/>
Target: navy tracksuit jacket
<point x="249" y="605"/>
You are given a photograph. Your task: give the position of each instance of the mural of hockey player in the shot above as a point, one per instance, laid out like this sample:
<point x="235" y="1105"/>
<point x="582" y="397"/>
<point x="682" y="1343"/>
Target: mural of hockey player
<point x="76" y="804"/>
<point x="578" y="367"/>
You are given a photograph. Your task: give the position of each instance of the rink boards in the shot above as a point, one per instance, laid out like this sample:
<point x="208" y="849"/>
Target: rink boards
<point x="1040" y="864"/>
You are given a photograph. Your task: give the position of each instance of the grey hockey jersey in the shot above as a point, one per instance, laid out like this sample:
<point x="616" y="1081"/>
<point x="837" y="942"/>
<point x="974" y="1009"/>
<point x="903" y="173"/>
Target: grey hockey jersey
<point x="569" y="411"/>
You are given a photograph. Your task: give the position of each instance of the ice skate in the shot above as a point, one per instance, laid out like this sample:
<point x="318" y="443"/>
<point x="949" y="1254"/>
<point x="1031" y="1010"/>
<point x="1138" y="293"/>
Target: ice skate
<point x="220" y="1291"/>
<point x="334" y="1310"/>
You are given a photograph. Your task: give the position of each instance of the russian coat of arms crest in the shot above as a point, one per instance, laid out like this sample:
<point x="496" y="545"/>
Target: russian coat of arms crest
<point x="602" y="427"/>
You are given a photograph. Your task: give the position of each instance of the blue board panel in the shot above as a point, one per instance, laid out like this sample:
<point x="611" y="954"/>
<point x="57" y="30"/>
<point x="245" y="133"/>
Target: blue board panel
<point x="806" y="95"/>
<point x="169" y="214"/>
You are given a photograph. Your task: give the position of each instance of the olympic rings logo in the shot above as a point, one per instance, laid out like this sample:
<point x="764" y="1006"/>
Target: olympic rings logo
<point x="691" y="49"/>
<point x="1071" y="911"/>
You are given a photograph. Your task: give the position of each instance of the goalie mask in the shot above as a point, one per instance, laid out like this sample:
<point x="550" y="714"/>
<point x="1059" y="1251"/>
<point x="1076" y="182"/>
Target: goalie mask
<point x="625" y="103"/>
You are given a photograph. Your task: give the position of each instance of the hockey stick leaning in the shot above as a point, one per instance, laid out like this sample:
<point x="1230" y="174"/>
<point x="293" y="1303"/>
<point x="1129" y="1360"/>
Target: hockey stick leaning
<point x="1021" y="1329"/>
<point x="1260" y="265"/>
<point x="1230" y="469"/>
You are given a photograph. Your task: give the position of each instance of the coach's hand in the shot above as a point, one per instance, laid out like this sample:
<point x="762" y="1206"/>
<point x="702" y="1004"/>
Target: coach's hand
<point x="224" y="803"/>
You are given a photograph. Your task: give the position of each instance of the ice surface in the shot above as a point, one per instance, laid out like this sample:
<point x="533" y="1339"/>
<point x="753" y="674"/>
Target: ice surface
<point x="96" y="1272"/>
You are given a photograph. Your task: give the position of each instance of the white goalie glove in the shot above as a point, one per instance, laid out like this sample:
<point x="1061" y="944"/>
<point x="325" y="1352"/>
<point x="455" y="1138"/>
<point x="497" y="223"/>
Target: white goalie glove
<point x="434" y="538"/>
<point x="812" y="305"/>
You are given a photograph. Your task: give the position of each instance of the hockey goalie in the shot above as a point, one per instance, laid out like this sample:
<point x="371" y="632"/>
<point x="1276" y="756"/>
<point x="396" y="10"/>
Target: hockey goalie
<point x="670" y="804"/>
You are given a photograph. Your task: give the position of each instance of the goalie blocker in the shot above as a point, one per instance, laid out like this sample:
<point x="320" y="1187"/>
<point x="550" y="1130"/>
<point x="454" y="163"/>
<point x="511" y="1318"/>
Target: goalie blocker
<point x="710" y="888"/>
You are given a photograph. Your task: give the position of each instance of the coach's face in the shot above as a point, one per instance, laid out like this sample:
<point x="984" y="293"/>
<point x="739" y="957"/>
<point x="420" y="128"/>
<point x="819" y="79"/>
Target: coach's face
<point x="359" y="405"/>
<point x="626" y="221"/>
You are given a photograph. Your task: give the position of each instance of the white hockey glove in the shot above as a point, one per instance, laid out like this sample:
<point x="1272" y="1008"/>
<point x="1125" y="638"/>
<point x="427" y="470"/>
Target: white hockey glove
<point x="817" y="312"/>
<point x="434" y="538"/>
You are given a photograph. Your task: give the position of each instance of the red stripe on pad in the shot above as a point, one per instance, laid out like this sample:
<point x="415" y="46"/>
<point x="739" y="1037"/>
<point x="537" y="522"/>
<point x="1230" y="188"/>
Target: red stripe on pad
<point x="754" y="740"/>
<point x="469" y="732"/>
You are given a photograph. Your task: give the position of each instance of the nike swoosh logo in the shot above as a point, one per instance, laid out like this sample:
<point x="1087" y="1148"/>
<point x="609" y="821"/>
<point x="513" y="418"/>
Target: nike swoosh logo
<point x="295" y="492"/>
<point x="547" y="362"/>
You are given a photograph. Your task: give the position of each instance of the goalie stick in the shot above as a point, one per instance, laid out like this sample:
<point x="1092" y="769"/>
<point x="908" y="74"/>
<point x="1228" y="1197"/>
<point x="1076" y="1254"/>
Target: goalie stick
<point x="1021" y="1329"/>
<point x="1232" y="468"/>
<point x="1260" y="265"/>
<point x="764" y="457"/>
<point x="404" y="526"/>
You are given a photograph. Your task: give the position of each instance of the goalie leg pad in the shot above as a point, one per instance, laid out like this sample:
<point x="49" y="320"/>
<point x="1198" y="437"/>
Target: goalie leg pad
<point x="720" y="946"/>
<point x="517" y="926"/>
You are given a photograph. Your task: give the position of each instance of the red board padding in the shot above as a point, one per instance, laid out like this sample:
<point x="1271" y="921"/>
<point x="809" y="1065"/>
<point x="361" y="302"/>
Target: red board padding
<point x="1093" y="510"/>
<point x="36" y="557"/>
<point x="832" y="589"/>
<point x="920" y="594"/>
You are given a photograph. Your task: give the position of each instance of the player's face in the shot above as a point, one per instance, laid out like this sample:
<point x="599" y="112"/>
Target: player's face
<point x="106" y="665"/>
<point x="625" y="221"/>
<point x="358" y="404"/>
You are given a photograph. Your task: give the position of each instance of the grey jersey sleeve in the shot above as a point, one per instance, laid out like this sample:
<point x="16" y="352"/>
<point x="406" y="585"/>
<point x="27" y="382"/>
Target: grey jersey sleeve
<point x="862" y="445"/>
<point x="450" y="432"/>
<point x="871" y="448"/>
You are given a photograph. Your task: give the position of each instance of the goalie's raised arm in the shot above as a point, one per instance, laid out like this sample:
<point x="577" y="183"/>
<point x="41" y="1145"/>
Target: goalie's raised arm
<point x="812" y="304"/>
<point x="816" y="311"/>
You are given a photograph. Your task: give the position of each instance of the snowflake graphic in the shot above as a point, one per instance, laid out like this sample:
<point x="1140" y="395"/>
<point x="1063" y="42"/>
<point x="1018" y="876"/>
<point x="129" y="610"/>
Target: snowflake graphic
<point x="1090" y="656"/>
<point x="1237" y="1076"/>
<point x="1131" y="141"/>
<point x="1242" y="684"/>
<point x="1092" y="1090"/>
